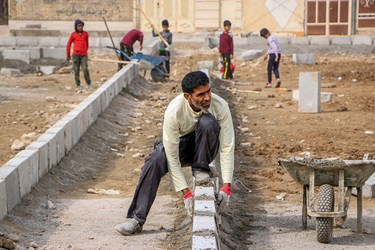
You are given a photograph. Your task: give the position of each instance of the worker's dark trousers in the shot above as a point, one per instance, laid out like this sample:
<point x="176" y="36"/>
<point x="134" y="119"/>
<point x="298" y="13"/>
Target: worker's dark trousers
<point x="273" y="66"/>
<point x="128" y="51"/>
<point x="197" y="149"/>
<point x="167" y="54"/>
<point x="79" y="61"/>
<point x="228" y="74"/>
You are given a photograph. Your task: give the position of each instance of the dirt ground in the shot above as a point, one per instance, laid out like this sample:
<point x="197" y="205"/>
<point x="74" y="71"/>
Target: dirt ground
<point x="103" y="159"/>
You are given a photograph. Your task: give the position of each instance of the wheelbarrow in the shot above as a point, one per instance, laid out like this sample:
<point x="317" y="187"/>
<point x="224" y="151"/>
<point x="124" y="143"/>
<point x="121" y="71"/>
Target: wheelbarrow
<point x="326" y="173"/>
<point x="148" y="62"/>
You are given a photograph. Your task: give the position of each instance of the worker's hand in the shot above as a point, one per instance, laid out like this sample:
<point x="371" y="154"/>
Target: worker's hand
<point x="140" y="47"/>
<point x="223" y="198"/>
<point x="276" y="58"/>
<point x="152" y="26"/>
<point x="188" y="200"/>
<point x="231" y="56"/>
<point x="265" y="57"/>
<point x="68" y="58"/>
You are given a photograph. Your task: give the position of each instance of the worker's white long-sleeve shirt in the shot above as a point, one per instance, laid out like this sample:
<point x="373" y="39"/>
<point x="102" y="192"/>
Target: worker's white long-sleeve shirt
<point x="180" y="119"/>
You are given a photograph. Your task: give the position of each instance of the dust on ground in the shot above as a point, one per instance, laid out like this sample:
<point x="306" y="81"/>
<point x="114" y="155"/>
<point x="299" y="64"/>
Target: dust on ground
<point x="256" y="220"/>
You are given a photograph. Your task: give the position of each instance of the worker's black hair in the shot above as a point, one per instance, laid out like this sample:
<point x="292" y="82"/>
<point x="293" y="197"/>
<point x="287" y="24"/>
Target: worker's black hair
<point x="165" y="23"/>
<point x="193" y="80"/>
<point x="263" y="32"/>
<point x="227" y="23"/>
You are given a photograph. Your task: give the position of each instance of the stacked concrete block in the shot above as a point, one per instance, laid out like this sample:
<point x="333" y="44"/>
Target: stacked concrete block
<point x="304" y="59"/>
<point x="9" y="174"/>
<point x="48" y="41"/>
<point x="3" y="199"/>
<point x="34" y="53"/>
<point x="304" y="40"/>
<point x="63" y="41"/>
<point x="27" y="163"/>
<point x="283" y="40"/>
<point x="10" y="72"/>
<point x="42" y="148"/>
<point x="341" y="40"/>
<point x="320" y="40"/>
<point x="56" y="53"/>
<point x="27" y="41"/>
<point x="362" y="40"/>
<point x="251" y="54"/>
<point x="309" y="92"/>
<point x="21" y="55"/>
<point x="8" y="41"/>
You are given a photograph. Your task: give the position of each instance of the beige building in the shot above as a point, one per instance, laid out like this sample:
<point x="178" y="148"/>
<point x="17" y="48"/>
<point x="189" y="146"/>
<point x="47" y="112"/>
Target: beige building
<point x="298" y="17"/>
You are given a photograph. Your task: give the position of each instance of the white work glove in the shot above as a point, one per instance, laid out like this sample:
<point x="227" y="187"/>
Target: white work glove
<point x="223" y="198"/>
<point x="188" y="200"/>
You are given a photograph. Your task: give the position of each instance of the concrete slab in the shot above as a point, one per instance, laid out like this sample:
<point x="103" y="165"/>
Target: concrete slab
<point x="251" y="54"/>
<point x="206" y="65"/>
<point x="3" y="199"/>
<point x="204" y="243"/>
<point x="8" y="41"/>
<point x="309" y="92"/>
<point x="302" y="40"/>
<point x="27" y="41"/>
<point x="60" y="140"/>
<point x="204" y="207"/>
<point x="47" y="70"/>
<point x="11" y="177"/>
<point x="206" y="193"/>
<point x="362" y="40"/>
<point x="21" y="55"/>
<point x="204" y="224"/>
<point x="42" y="147"/>
<point x="283" y="40"/>
<point x="34" y="53"/>
<point x="48" y="41"/>
<point x="66" y="123"/>
<point x="304" y="59"/>
<point x="325" y="97"/>
<point x="52" y="148"/>
<point x="10" y="72"/>
<point x="341" y="40"/>
<point x="32" y="155"/>
<point x="320" y="40"/>
<point x="56" y="53"/>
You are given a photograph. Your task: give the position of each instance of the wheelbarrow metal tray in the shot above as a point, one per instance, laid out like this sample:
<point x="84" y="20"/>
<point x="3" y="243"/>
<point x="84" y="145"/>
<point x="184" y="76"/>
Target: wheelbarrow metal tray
<point x="356" y="172"/>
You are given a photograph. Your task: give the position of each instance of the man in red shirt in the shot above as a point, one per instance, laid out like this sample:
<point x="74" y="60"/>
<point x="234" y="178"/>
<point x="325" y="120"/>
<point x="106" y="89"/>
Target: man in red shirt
<point x="80" y="40"/>
<point x="226" y="50"/>
<point x="127" y="42"/>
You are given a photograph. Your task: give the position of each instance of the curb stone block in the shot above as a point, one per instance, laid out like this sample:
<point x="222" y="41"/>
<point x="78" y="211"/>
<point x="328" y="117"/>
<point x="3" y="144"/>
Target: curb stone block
<point x="304" y="59"/>
<point x="303" y="40"/>
<point x="3" y="199"/>
<point x="42" y="147"/>
<point x="204" y="243"/>
<point x="324" y="96"/>
<point x="56" y="53"/>
<point x="48" y="41"/>
<point x="309" y="92"/>
<point x="52" y="148"/>
<point x="59" y="131"/>
<point x="10" y="72"/>
<point x="341" y="40"/>
<point x="32" y="156"/>
<point x="206" y="193"/>
<point x="362" y="40"/>
<point x="204" y="224"/>
<point x="204" y="207"/>
<point x="320" y="40"/>
<point x="12" y="182"/>
<point x="8" y="41"/>
<point x="27" y="41"/>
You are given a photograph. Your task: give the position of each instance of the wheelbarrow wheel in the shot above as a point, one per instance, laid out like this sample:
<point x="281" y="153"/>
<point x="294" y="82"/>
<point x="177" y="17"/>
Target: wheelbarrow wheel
<point x="324" y="226"/>
<point x="157" y="75"/>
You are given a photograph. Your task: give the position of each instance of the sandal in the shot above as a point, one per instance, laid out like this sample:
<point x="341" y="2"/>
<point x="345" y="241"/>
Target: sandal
<point x="278" y="85"/>
<point x="268" y="86"/>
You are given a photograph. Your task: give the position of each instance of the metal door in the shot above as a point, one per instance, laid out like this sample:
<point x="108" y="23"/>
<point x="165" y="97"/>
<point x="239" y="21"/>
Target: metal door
<point x="330" y="17"/>
<point x="365" y="15"/>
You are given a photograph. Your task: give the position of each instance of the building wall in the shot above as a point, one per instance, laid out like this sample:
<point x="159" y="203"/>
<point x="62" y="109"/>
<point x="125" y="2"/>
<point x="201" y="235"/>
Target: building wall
<point x="277" y="16"/>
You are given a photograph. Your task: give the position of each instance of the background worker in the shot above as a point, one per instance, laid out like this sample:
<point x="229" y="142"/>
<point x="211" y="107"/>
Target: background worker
<point x="80" y="40"/>
<point x="167" y="35"/>
<point x="127" y="42"/>
<point x="197" y="125"/>
<point x="226" y="50"/>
